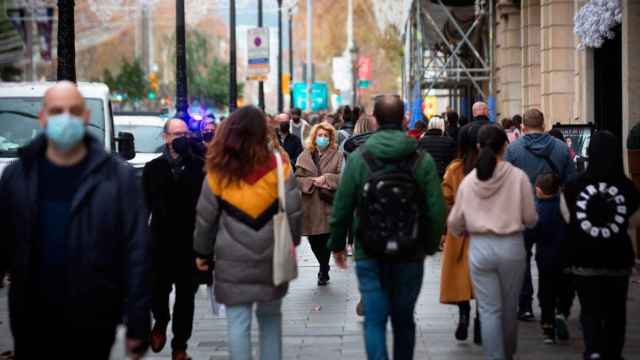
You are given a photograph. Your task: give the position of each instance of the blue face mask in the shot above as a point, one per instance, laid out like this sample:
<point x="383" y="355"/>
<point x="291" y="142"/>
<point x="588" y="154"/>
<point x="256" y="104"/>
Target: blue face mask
<point x="322" y="142"/>
<point x="65" y="130"/>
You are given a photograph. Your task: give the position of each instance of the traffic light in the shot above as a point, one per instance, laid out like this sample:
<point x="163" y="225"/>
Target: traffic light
<point x="153" y="86"/>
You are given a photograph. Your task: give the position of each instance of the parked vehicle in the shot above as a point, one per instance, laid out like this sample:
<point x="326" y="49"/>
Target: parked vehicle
<point x="146" y="127"/>
<point x="20" y="104"/>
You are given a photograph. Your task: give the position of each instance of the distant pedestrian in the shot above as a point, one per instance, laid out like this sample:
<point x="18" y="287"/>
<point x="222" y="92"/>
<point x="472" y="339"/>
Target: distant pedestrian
<point x="455" y="281"/>
<point x="348" y="122"/>
<point x="494" y="205"/>
<point x="398" y="223"/>
<point x="234" y="226"/>
<point x="441" y="147"/>
<point x="209" y="132"/>
<point x="549" y="237"/>
<point x="289" y="142"/>
<point x="517" y="122"/>
<point x="298" y="126"/>
<point x="513" y="133"/>
<point x="419" y="130"/>
<point x="600" y="207"/>
<point x="74" y="239"/>
<point x="480" y="112"/>
<point x="318" y="173"/>
<point x="452" y="125"/>
<point x="533" y="153"/>
<point x="172" y="185"/>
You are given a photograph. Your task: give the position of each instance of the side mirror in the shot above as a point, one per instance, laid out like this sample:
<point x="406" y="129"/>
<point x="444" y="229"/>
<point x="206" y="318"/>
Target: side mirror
<point x="126" y="145"/>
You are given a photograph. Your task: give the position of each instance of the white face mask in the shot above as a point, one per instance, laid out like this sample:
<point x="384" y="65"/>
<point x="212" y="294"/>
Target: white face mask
<point x="65" y="130"/>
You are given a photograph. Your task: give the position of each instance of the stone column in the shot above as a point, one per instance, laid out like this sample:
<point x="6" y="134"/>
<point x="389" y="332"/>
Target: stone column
<point x="630" y="69"/>
<point x="583" y="100"/>
<point x="512" y="63"/>
<point x="530" y="19"/>
<point x="558" y="60"/>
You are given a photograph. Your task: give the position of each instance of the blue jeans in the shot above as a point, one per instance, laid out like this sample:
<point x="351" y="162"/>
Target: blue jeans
<point x="389" y="290"/>
<point x="239" y="330"/>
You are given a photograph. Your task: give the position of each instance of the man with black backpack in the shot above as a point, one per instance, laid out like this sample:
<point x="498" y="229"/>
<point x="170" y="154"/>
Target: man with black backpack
<point x="395" y="192"/>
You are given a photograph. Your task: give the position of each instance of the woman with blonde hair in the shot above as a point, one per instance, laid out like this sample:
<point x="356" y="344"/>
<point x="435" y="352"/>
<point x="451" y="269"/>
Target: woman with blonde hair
<point x="234" y="225"/>
<point x="318" y="173"/>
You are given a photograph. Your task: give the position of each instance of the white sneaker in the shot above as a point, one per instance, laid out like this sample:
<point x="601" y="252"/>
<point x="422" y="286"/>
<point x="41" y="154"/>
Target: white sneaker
<point x="595" y="356"/>
<point x="349" y="250"/>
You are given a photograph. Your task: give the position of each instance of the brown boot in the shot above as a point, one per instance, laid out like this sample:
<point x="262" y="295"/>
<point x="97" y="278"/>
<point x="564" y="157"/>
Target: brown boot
<point x="180" y="355"/>
<point x="158" y="336"/>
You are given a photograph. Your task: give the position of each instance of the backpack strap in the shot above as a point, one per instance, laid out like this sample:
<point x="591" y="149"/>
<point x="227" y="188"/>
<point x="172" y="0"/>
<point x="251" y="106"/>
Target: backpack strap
<point x="373" y="163"/>
<point x="547" y="159"/>
<point x="409" y="163"/>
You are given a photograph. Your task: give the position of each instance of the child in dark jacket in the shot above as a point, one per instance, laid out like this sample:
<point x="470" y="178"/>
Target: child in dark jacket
<point x="553" y="283"/>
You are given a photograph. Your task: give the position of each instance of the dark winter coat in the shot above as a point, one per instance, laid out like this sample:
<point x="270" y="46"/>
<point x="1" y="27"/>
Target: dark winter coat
<point x="549" y="236"/>
<point x="293" y="146"/>
<point x="108" y="247"/>
<point x="441" y="148"/>
<point x="171" y="197"/>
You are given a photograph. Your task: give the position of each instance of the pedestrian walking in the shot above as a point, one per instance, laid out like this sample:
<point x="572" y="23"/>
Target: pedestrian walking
<point x="289" y="142"/>
<point x="347" y="123"/>
<point x="441" y="147"/>
<point x="318" y="174"/>
<point x="480" y="112"/>
<point x="513" y="133"/>
<point x="234" y="225"/>
<point x="456" y="287"/>
<point x="398" y="223"/>
<point x="494" y="205"/>
<point x="600" y="205"/>
<point x="549" y="236"/>
<point x="452" y="125"/>
<point x="172" y="185"/>
<point x="533" y="152"/>
<point x="74" y="240"/>
<point x="420" y="128"/>
<point x="298" y="126"/>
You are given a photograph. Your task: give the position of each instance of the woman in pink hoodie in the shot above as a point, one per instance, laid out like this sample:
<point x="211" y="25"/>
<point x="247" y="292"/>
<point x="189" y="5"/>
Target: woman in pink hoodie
<point x="494" y="205"/>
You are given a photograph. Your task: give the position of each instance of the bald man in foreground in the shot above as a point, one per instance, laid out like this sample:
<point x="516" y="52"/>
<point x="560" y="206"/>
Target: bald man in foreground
<point x="74" y="240"/>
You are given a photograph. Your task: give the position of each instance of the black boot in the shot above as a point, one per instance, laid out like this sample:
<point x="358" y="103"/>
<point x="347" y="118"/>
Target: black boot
<point x="477" y="331"/>
<point x="462" y="332"/>
<point x="323" y="278"/>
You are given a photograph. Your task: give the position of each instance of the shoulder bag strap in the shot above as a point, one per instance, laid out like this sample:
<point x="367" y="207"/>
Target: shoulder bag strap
<point x="282" y="199"/>
<point x="547" y="159"/>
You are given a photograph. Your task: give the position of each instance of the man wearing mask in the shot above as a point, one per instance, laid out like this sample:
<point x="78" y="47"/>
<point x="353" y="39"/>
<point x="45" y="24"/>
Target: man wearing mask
<point x="208" y="133"/>
<point x="172" y="185"/>
<point x="74" y="240"/>
<point x="291" y="143"/>
<point x="298" y="126"/>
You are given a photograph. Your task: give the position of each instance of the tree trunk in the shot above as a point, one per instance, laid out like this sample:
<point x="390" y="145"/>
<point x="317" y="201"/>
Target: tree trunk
<point x="66" y="41"/>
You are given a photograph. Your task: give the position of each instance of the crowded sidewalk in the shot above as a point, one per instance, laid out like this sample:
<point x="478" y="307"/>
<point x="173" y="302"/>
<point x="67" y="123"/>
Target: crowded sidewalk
<point x="320" y="323"/>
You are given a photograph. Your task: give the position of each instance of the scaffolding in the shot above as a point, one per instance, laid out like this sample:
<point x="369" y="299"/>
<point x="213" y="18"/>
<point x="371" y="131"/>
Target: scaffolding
<point x="449" y="45"/>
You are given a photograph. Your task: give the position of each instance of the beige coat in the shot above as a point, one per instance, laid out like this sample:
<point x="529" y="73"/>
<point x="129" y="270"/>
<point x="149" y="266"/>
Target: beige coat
<point x="317" y="212"/>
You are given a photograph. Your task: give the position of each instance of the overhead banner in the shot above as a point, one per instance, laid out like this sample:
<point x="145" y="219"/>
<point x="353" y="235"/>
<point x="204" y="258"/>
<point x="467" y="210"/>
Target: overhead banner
<point x="364" y="68"/>
<point x="258" y="54"/>
<point x="319" y="96"/>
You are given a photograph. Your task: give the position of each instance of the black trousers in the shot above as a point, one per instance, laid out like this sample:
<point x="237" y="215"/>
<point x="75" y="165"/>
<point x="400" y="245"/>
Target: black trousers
<point x="59" y="342"/>
<point x="554" y="294"/>
<point x="526" y="294"/>
<point x="186" y="285"/>
<point x="321" y="251"/>
<point x="604" y="314"/>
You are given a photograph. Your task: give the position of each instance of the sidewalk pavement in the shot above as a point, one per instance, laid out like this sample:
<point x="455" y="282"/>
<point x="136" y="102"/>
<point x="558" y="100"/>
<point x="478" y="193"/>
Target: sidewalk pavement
<point x="320" y="323"/>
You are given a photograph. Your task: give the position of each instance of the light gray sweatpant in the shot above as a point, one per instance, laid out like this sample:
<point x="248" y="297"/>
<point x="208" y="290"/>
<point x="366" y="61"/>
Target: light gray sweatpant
<point x="497" y="270"/>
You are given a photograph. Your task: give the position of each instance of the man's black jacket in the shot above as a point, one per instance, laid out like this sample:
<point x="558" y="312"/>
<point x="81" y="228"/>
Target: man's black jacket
<point x="293" y="146"/>
<point x="171" y="196"/>
<point x="108" y="246"/>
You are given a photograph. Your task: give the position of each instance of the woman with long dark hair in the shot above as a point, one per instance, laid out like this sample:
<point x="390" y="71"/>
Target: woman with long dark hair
<point x="455" y="280"/>
<point x="234" y="223"/>
<point x="599" y="206"/>
<point x="494" y="205"/>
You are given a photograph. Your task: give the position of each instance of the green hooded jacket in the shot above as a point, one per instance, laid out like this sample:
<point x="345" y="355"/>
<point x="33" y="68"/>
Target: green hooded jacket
<point x="386" y="144"/>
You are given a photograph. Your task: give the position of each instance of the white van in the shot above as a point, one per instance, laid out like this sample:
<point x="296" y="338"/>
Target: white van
<point x="20" y="104"/>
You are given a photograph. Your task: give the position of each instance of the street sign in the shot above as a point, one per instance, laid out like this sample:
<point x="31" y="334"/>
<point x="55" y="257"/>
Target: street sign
<point x="364" y="68"/>
<point x="319" y="96"/>
<point x="364" y="84"/>
<point x="258" y="54"/>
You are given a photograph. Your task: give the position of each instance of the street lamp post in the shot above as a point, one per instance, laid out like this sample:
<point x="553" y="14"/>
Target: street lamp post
<point x="261" y="83"/>
<point x="280" y="98"/>
<point x="66" y="41"/>
<point x="309" y="53"/>
<point x="233" y="85"/>
<point x="291" y="70"/>
<point x="181" y="63"/>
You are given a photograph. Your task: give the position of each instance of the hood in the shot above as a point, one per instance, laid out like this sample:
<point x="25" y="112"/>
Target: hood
<point x="540" y="144"/>
<point x="390" y="144"/>
<point x="486" y="189"/>
<point x="4" y="162"/>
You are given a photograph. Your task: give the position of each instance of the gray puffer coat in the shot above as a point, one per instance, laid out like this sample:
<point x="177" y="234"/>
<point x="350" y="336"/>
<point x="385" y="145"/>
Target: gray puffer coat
<point x="234" y="224"/>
